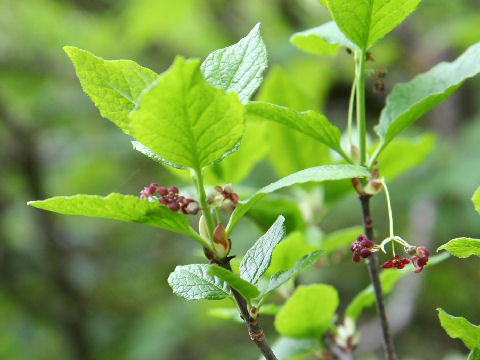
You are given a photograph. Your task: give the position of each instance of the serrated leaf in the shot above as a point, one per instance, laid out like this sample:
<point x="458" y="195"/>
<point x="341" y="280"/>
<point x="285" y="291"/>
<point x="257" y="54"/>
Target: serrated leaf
<point x="321" y="40"/>
<point x="474" y="355"/>
<point x="113" y="85"/>
<point x="403" y="154"/>
<point x="409" y="101"/>
<point x="238" y="67"/>
<point x="317" y="174"/>
<point x="462" y="247"/>
<point x="193" y="282"/>
<point x="258" y="257"/>
<point x="461" y="328"/>
<point x="308" y="313"/>
<point x="309" y="123"/>
<point x="149" y="153"/>
<point x="388" y="279"/>
<point x="476" y="200"/>
<point x="283" y="276"/>
<point x="186" y="121"/>
<point x="366" y="21"/>
<point x="121" y="207"/>
<point x="247" y="290"/>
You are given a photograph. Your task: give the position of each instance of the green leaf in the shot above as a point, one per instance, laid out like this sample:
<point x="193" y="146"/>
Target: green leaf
<point x="286" y="348"/>
<point x="113" y="86"/>
<point x="149" y="153"/>
<point x="388" y="279"/>
<point x="121" y="207"/>
<point x="321" y="40"/>
<point x="474" y="354"/>
<point x="193" y="282"/>
<point x="258" y="257"/>
<point x="238" y="67"/>
<point x="409" y="101"/>
<point x="289" y="251"/>
<point x="309" y="123"/>
<point x="459" y="327"/>
<point x="476" y="200"/>
<point x="462" y="247"/>
<point x="404" y="154"/>
<point x="317" y="174"/>
<point x="308" y="313"/>
<point x="233" y="314"/>
<point x="247" y="290"/>
<point x="283" y="276"/>
<point x="185" y="121"/>
<point x="366" y="21"/>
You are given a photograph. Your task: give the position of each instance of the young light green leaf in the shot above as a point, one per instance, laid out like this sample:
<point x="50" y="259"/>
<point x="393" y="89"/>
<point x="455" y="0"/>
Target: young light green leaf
<point x="409" y="101"/>
<point x="462" y="247"/>
<point x="366" y="21"/>
<point x="238" y="67"/>
<point x="388" y="279"/>
<point x="193" y="282"/>
<point x="149" y="153"/>
<point x="317" y="174"/>
<point x="283" y="276"/>
<point x="308" y="313"/>
<point x="474" y="354"/>
<point x="321" y="40"/>
<point x="403" y="154"/>
<point x="185" y="121"/>
<point x="247" y="290"/>
<point x="258" y="257"/>
<point x="459" y="327"/>
<point x="113" y="86"/>
<point x="287" y="349"/>
<point x="121" y="207"/>
<point x="476" y="200"/>
<point x="309" y="123"/>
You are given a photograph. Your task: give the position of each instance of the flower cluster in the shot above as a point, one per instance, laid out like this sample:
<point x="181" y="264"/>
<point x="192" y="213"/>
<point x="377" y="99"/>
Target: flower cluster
<point x="361" y="248"/>
<point x="224" y="198"/>
<point x="170" y="197"/>
<point x="396" y="262"/>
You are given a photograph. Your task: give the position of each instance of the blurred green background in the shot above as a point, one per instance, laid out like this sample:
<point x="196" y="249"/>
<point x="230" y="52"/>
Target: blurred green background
<point x="81" y="289"/>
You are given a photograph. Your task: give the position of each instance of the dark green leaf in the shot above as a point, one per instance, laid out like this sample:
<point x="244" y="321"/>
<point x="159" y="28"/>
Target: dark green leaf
<point x="474" y="355"/>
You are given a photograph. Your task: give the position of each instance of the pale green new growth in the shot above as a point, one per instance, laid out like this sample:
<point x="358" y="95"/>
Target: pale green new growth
<point x="366" y="21"/>
<point x="317" y="174"/>
<point x="121" y="207"/>
<point x="308" y="313"/>
<point x="388" y="278"/>
<point x="459" y="327"/>
<point x="244" y="288"/>
<point x="409" y="101"/>
<point x="462" y="247"/>
<point x="186" y="121"/>
<point x="258" y="257"/>
<point x="238" y="67"/>
<point x="309" y="123"/>
<point x="321" y="40"/>
<point x="113" y="85"/>
<point x="192" y="282"/>
<point x="476" y="200"/>
<point x="283" y="276"/>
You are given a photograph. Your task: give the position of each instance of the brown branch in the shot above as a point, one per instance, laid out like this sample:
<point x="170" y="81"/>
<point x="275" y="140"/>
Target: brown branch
<point x="254" y="329"/>
<point x="372" y="263"/>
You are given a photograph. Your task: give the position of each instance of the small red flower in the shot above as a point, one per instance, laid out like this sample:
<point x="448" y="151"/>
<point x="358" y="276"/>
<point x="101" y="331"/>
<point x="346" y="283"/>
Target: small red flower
<point x="170" y="197"/>
<point x="396" y="263"/>
<point x="361" y="248"/>
<point x="420" y="259"/>
<point x="225" y="198"/>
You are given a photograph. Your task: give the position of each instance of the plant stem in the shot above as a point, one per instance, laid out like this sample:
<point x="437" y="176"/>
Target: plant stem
<point x="360" y="97"/>
<point x="202" y="199"/>
<point x="351" y="103"/>
<point x="372" y="263"/>
<point x="254" y="329"/>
